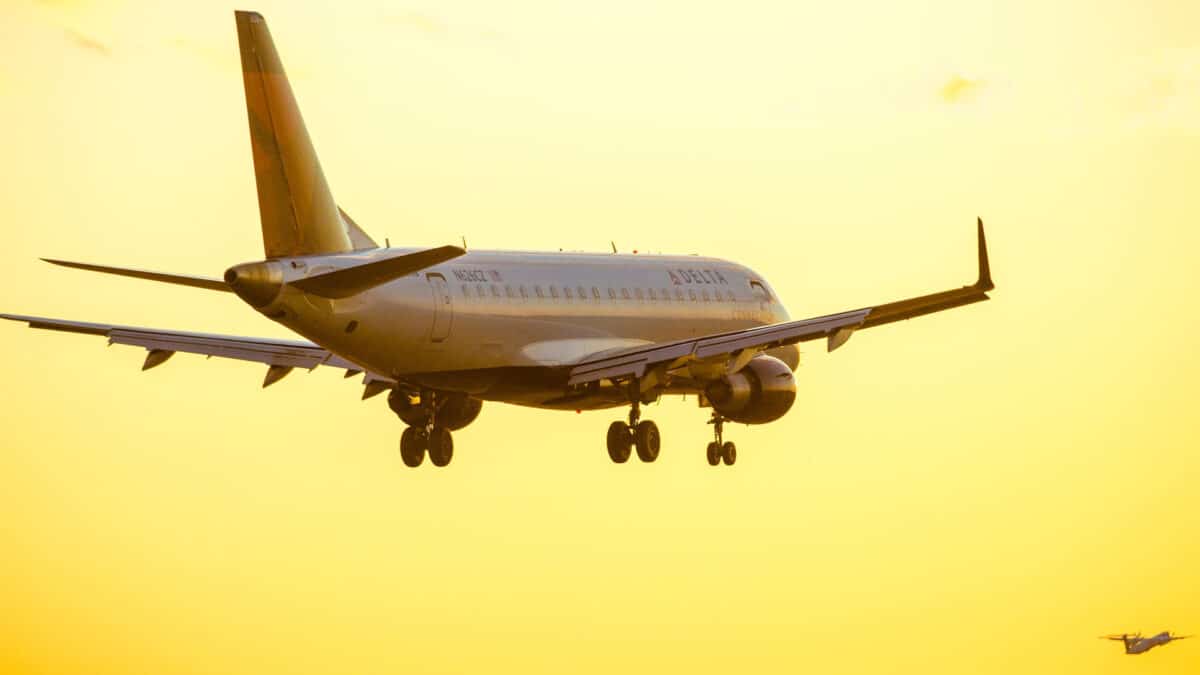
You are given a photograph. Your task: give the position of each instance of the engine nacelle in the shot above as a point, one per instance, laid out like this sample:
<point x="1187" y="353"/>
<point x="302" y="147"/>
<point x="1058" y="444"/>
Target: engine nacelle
<point x="458" y="410"/>
<point x="454" y="412"/>
<point x="759" y="393"/>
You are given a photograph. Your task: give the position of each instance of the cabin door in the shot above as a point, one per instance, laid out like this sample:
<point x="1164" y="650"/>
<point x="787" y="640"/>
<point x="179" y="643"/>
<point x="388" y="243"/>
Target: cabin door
<point x="443" y="307"/>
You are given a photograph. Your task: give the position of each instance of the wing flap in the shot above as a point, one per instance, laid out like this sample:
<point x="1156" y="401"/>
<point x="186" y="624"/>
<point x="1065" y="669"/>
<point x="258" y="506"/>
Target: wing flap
<point x="635" y="362"/>
<point x="276" y="354"/>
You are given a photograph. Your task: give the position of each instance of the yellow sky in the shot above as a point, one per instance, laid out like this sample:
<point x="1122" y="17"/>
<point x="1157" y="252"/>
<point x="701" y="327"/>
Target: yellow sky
<point x="985" y="490"/>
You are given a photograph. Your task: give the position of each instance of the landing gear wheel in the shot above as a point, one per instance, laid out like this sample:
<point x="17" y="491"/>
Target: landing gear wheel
<point x="441" y="446"/>
<point x="619" y="441"/>
<point x="412" y="446"/>
<point x="647" y="440"/>
<point x="713" y="453"/>
<point x="729" y="453"/>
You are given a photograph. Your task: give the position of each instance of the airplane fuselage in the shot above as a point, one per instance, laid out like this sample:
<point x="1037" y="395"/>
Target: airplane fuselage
<point x="1143" y="645"/>
<point x="504" y="325"/>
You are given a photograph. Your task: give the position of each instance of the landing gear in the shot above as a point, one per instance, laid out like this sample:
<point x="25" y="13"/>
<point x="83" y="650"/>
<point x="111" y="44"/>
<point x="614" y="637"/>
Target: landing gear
<point x="412" y="446"/>
<point x="620" y="441"/>
<point x="425" y="433"/>
<point x="637" y="433"/>
<point x="441" y="446"/>
<point x="647" y="440"/>
<point x="717" y="450"/>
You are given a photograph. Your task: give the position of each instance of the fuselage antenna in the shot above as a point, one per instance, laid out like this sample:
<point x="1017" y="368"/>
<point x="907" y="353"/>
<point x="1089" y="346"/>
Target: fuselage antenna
<point x="614" y="245"/>
<point x="464" y="238"/>
<point x="387" y="243"/>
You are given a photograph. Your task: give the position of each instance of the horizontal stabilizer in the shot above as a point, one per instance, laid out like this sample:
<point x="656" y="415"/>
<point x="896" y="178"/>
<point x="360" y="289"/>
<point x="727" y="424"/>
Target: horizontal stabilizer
<point x="350" y="281"/>
<point x="179" y="279"/>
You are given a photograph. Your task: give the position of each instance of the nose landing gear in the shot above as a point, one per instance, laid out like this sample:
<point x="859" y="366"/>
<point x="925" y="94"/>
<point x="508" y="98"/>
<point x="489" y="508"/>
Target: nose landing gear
<point x="643" y="435"/>
<point x="717" y="451"/>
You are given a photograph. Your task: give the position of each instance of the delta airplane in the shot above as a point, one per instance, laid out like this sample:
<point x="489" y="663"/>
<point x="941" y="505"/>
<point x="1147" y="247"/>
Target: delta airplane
<point x="441" y="330"/>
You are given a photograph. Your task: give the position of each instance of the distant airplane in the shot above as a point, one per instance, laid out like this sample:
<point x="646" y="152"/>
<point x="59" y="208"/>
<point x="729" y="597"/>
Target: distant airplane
<point x="1136" y="644"/>
<point x="442" y="329"/>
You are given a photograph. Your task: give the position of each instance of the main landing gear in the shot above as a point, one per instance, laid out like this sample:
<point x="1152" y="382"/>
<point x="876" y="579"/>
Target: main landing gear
<point x="624" y="437"/>
<point x="425" y="435"/>
<point x="717" y="451"/>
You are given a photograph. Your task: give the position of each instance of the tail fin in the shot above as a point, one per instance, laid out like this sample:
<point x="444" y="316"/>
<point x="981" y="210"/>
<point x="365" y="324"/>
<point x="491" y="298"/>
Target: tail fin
<point x="299" y="215"/>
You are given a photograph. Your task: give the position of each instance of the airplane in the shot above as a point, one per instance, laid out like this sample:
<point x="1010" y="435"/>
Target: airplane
<point x="1136" y="644"/>
<point x="442" y="329"/>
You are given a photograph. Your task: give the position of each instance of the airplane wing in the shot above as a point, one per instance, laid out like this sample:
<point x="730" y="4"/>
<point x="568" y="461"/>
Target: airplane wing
<point x="280" y="356"/>
<point x="744" y="344"/>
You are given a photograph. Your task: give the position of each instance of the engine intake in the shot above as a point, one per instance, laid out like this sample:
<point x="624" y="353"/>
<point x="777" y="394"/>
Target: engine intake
<point x="761" y="392"/>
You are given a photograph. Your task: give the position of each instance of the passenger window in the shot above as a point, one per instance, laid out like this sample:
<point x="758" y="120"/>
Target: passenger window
<point x="692" y="294"/>
<point x="495" y="291"/>
<point x="638" y="293"/>
<point x="538" y="290"/>
<point x="524" y="293"/>
<point x="479" y="290"/>
<point x="466" y="291"/>
<point x="624" y="293"/>
<point x="704" y="294"/>
<point x="612" y="295"/>
<point x="567" y="292"/>
<point x="508" y="291"/>
<point x="582" y="293"/>
<point x="679" y="294"/>
<point x="653" y="297"/>
<point x="595" y="293"/>
<point x="732" y="297"/>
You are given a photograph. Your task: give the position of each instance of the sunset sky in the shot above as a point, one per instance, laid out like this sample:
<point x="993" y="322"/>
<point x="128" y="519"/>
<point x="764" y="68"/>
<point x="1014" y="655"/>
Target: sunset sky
<point x="986" y="490"/>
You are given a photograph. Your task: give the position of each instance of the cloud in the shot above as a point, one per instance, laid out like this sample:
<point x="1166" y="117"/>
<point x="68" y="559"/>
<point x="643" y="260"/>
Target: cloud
<point x="959" y="89"/>
<point x="87" y="42"/>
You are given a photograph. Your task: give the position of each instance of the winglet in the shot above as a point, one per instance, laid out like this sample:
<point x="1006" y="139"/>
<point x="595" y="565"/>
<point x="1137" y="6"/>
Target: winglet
<point x="985" y="271"/>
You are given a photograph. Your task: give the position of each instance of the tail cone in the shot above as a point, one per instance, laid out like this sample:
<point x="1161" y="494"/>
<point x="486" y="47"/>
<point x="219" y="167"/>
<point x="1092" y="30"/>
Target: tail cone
<point x="256" y="283"/>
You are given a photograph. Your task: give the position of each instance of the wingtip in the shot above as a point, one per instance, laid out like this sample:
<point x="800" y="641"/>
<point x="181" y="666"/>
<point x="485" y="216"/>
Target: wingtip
<point x="984" y="283"/>
<point x="247" y="15"/>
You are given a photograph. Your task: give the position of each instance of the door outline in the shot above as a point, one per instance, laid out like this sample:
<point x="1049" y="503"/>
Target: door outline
<point x="443" y="307"/>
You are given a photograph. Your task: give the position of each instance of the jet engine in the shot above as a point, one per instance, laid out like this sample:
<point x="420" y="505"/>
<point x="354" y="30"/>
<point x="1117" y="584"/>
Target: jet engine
<point x="458" y="410"/>
<point x="454" y="412"/>
<point x="759" y="393"/>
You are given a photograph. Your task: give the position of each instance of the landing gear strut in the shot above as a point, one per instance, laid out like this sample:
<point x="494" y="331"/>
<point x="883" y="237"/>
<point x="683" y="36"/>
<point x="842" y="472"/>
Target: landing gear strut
<point x="717" y="451"/>
<point x="425" y="434"/>
<point x="623" y="437"/>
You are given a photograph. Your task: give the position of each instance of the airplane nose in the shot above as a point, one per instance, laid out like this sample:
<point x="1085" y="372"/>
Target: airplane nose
<point x="256" y="283"/>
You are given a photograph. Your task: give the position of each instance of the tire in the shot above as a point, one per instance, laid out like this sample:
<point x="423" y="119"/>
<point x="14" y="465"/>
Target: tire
<point x="647" y="440"/>
<point x="713" y="453"/>
<point x="441" y="446"/>
<point x="620" y="441"/>
<point x="412" y="446"/>
<point x="729" y="453"/>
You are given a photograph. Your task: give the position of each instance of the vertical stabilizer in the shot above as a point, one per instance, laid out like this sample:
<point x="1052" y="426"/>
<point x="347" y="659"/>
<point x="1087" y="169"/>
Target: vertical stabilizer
<point x="299" y="215"/>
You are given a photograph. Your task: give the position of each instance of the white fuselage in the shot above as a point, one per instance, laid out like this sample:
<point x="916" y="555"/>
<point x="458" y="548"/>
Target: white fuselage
<point x="498" y="324"/>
